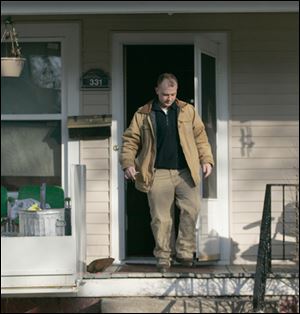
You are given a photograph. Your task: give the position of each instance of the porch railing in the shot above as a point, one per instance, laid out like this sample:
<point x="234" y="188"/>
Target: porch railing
<point x="264" y="256"/>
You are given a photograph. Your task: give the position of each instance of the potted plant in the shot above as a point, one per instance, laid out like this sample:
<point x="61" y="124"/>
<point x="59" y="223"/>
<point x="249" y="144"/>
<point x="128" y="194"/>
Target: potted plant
<point x="12" y="64"/>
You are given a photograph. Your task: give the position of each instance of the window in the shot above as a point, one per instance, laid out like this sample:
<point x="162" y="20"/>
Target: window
<point x="209" y="116"/>
<point x="30" y="153"/>
<point x="31" y="118"/>
<point x="35" y="149"/>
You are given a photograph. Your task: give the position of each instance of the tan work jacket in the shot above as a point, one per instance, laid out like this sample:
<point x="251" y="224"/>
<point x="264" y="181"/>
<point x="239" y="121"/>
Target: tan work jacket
<point x="139" y="143"/>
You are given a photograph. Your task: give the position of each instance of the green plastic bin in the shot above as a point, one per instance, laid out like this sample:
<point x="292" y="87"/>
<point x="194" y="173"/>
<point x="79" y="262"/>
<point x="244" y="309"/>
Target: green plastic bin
<point x="54" y="194"/>
<point x="3" y="201"/>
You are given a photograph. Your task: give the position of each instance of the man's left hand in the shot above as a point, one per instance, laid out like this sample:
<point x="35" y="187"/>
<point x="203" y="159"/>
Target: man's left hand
<point x="207" y="169"/>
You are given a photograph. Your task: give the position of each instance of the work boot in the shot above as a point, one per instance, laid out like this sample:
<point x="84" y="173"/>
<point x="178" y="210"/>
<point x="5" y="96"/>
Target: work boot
<point x="163" y="265"/>
<point x="188" y="262"/>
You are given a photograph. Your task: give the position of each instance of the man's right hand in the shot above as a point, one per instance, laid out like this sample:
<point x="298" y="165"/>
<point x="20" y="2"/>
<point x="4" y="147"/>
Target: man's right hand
<point x="130" y="173"/>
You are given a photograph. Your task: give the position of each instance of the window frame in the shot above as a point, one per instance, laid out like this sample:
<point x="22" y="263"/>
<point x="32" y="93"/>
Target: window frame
<point x="68" y="34"/>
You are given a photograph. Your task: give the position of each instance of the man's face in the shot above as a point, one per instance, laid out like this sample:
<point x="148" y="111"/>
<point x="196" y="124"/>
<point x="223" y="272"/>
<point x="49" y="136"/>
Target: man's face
<point x="166" y="93"/>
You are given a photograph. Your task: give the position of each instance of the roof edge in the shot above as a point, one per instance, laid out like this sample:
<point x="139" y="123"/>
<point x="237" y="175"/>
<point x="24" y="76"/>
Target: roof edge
<point x="144" y="7"/>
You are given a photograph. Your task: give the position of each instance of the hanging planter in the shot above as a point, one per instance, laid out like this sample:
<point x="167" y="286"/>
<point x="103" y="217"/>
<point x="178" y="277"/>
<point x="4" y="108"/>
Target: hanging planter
<point x="11" y="67"/>
<point x="11" y="64"/>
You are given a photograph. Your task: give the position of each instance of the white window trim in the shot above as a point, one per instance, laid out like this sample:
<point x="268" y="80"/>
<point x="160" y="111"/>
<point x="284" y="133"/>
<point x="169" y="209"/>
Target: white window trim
<point x="117" y="177"/>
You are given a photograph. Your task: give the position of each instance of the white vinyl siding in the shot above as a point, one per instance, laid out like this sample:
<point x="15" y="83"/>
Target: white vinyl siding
<point x="96" y="102"/>
<point x="264" y="105"/>
<point x="264" y="129"/>
<point x="95" y="155"/>
<point x="263" y="63"/>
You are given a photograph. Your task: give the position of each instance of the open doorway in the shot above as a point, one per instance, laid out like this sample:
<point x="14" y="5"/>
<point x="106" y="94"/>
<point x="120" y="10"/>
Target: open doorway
<point x="142" y="66"/>
<point x="188" y="61"/>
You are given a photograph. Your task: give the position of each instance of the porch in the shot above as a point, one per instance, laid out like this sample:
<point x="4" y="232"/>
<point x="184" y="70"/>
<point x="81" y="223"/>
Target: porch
<point x="143" y="280"/>
<point x="203" y="288"/>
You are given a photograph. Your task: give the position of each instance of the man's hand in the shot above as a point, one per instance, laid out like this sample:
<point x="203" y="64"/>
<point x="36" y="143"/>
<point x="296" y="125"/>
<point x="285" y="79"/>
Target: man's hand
<point x="130" y="173"/>
<point x="207" y="170"/>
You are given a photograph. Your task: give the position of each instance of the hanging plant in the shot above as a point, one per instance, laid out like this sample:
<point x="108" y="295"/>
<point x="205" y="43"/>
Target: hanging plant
<point x="11" y="64"/>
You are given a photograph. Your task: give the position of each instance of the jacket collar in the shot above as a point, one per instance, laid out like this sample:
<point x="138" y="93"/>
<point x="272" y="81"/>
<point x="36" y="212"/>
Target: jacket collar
<point x="146" y="109"/>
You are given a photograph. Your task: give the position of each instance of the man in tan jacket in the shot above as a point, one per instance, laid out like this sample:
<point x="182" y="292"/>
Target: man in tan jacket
<point x="163" y="151"/>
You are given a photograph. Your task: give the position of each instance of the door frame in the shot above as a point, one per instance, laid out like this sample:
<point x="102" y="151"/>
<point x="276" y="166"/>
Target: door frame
<point x="118" y="104"/>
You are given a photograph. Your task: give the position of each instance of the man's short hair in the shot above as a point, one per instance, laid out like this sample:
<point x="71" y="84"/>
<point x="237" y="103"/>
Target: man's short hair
<point x="167" y="76"/>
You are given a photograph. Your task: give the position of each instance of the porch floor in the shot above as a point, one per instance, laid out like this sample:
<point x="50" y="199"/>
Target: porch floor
<point x="143" y="280"/>
<point x="138" y="270"/>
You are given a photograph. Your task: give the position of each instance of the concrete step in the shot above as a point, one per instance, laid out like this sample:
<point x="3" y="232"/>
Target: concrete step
<point x="195" y="305"/>
<point x="172" y="286"/>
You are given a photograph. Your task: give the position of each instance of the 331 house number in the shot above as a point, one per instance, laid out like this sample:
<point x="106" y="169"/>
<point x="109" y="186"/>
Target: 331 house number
<point x="95" y="78"/>
<point x="95" y="82"/>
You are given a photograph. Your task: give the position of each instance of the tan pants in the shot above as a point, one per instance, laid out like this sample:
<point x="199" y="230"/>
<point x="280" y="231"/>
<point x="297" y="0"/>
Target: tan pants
<point x="172" y="187"/>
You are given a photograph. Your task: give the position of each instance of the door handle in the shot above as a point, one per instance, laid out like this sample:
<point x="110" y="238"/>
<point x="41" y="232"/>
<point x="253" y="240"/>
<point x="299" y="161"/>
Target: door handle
<point x="116" y="148"/>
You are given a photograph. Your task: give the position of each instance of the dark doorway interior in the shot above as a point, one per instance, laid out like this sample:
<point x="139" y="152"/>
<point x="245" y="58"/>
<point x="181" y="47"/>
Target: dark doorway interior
<point x="143" y="64"/>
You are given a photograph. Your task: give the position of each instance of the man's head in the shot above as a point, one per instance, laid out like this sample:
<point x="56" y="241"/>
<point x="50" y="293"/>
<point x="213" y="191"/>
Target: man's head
<point x="166" y="89"/>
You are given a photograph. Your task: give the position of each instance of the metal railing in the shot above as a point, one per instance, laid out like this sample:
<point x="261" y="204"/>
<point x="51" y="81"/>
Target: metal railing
<point x="264" y="256"/>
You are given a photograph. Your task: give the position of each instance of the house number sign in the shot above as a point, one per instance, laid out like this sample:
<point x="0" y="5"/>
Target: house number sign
<point x="95" y="78"/>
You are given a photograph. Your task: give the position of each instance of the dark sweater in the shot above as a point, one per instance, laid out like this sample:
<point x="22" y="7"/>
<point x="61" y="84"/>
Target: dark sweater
<point x="169" y="152"/>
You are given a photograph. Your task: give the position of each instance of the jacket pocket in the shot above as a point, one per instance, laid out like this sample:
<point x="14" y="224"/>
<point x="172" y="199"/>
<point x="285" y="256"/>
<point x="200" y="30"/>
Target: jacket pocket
<point x="145" y="134"/>
<point x="186" y="127"/>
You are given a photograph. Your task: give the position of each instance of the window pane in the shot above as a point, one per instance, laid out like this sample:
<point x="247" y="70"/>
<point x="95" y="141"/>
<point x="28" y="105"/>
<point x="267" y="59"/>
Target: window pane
<point x="30" y="153"/>
<point x="38" y="89"/>
<point x="209" y="116"/>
